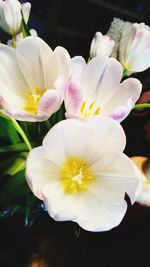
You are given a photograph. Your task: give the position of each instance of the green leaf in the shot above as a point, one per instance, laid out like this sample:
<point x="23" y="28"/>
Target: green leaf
<point x="13" y="189"/>
<point x="13" y="164"/>
<point x="24" y="28"/>
<point x="8" y="133"/>
<point x="13" y="148"/>
<point x="18" y="163"/>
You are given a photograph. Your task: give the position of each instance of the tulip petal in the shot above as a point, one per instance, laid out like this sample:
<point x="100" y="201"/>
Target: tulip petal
<point x="88" y="211"/>
<point x="141" y="61"/>
<point x="88" y="138"/>
<point x="59" y="134"/>
<point x="37" y="167"/>
<point x="60" y="206"/>
<point x="99" y="82"/>
<point x="11" y="90"/>
<point x="9" y="69"/>
<point x="49" y="103"/>
<point x="101" y="45"/>
<point x="26" y="7"/>
<point x="108" y="150"/>
<point x="33" y="56"/>
<point x="73" y="98"/>
<point x="120" y="175"/>
<point x="127" y="93"/>
<point x="78" y="66"/>
<point x="96" y="215"/>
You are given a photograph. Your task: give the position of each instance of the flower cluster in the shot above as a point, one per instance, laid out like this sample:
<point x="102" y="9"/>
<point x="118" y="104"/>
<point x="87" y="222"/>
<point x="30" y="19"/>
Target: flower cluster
<point x="78" y="169"/>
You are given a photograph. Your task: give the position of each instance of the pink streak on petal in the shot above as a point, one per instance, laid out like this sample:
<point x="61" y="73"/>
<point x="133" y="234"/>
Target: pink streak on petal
<point x="49" y="103"/>
<point x="73" y="98"/>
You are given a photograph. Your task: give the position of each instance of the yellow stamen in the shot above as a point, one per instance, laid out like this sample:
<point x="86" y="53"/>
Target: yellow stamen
<point x="92" y="104"/>
<point x="83" y="107"/>
<point x="89" y="111"/>
<point x="76" y="175"/>
<point x="32" y="99"/>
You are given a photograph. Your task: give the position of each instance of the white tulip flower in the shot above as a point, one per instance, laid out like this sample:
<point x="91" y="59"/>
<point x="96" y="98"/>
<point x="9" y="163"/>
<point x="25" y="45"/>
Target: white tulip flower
<point x="134" y="53"/>
<point x="32" y="79"/>
<point x="11" y="17"/>
<point x="82" y="175"/>
<point x="101" y="45"/>
<point x="94" y="89"/>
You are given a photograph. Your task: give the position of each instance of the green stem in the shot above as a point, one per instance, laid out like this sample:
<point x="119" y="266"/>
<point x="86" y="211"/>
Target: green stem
<point x="144" y="105"/>
<point x="125" y="72"/>
<point x="22" y="133"/>
<point x="24" y="27"/>
<point x="13" y="42"/>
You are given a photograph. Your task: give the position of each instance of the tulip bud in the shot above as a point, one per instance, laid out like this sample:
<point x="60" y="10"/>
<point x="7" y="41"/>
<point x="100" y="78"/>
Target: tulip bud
<point x="101" y="45"/>
<point x="11" y="17"/>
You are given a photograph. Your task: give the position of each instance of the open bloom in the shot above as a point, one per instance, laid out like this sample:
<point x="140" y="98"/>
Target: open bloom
<point x="11" y="17"/>
<point x="81" y="173"/>
<point x="101" y="45"/>
<point x="94" y="89"/>
<point x="32" y="79"/>
<point x="143" y="164"/>
<point x="134" y="52"/>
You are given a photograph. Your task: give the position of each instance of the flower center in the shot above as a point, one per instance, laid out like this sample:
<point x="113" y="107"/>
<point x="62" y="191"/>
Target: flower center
<point x="76" y="175"/>
<point x="32" y="99"/>
<point x="89" y="110"/>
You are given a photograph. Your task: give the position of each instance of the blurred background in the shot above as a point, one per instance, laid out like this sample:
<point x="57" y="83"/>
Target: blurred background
<point x="46" y="243"/>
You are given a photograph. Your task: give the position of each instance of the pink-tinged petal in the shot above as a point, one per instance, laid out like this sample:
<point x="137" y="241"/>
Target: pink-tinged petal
<point x="78" y="66"/>
<point x="97" y="215"/>
<point x="60" y="85"/>
<point x="73" y="97"/>
<point x="135" y="52"/>
<point x="49" y="103"/>
<point x="88" y="211"/>
<point x="138" y="39"/>
<point x="73" y="116"/>
<point x="120" y="113"/>
<point x="127" y="93"/>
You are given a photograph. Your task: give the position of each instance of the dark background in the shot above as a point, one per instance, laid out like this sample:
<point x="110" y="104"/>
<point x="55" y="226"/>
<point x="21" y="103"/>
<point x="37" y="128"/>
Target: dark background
<point x="72" y="24"/>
